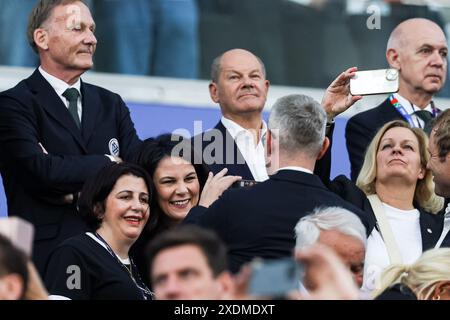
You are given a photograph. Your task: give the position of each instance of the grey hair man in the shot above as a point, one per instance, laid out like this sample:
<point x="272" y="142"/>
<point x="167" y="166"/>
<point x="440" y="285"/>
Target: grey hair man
<point x="339" y="229"/>
<point x="296" y="134"/>
<point x="259" y="221"/>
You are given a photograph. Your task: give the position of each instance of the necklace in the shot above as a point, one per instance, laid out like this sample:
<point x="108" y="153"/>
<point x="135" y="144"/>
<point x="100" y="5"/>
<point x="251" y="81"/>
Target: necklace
<point x="145" y="292"/>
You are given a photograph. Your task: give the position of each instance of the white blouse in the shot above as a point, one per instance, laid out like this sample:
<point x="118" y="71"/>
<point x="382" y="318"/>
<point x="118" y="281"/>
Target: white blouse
<point x="405" y="225"/>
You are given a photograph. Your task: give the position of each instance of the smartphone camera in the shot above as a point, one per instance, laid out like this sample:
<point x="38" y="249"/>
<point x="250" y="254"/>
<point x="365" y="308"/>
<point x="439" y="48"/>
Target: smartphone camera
<point x="244" y="183"/>
<point x="391" y="74"/>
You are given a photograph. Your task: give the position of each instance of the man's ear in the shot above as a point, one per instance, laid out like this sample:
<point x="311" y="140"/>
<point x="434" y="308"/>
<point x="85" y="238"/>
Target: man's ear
<point x="226" y="286"/>
<point x="323" y="150"/>
<point x="393" y="58"/>
<point x="40" y="37"/>
<point x="214" y="92"/>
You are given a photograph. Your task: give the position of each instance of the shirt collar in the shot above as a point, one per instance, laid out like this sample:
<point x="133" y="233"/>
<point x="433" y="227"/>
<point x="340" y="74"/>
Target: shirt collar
<point x="57" y="84"/>
<point x="234" y="129"/>
<point x="407" y="105"/>
<point x="294" y="168"/>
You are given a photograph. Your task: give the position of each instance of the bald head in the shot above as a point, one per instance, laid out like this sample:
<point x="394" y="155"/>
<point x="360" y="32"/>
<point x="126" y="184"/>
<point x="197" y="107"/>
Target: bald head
<point x="233" y="53"/>
<point x="409" y="29"/>
<point x="418" y="49"/>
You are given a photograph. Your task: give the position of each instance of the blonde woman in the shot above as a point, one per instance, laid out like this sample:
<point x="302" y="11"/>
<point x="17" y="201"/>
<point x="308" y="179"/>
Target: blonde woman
<point x="395" y="170"/>
<point x="426" y="279"/>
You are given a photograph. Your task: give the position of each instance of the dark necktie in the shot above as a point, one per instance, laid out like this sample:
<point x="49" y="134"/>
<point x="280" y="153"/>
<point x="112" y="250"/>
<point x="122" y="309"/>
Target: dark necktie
<point x="426" y="116"/>
<point x="71" y="95"/>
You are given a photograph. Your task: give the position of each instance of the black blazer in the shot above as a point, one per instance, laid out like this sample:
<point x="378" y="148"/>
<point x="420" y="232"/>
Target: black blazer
<point x="31" y="113"/>
<point x="259" y="221"/>
<point x="360" y="130"/>
<point x="430" y="224"/>
<point x="226" y="155"/>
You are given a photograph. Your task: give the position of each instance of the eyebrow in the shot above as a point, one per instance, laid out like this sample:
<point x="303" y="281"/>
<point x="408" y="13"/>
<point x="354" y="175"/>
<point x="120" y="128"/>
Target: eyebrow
<point x="131" y="191"/>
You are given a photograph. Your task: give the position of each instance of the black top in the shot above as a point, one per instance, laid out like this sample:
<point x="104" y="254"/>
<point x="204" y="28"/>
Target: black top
<point x="82" y="269"/>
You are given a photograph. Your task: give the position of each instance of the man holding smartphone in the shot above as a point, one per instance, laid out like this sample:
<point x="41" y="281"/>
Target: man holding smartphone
<point x="417" y="48"/>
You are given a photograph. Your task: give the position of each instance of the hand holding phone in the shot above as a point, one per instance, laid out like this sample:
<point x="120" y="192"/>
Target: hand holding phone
<point x="374" y="82"/>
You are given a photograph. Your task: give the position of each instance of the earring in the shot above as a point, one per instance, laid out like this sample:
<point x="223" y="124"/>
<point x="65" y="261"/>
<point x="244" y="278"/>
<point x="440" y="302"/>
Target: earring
<point x="436" y="297"/>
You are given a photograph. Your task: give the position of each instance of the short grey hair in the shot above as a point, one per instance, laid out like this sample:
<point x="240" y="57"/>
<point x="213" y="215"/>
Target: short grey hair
<point x="300" y="122"/>
<point x="215" y="67"/>
<point x="309" y="227"/>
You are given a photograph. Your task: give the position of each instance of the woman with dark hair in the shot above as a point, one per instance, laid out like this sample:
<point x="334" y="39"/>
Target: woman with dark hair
<point x="181" y="182"/>
<point x="179" y="178"/>
<point x="96" y="265"/>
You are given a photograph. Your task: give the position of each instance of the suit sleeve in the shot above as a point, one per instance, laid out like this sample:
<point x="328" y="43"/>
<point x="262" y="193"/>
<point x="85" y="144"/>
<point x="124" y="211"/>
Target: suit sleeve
<point x="357" y="140"/>
<point x="129" y="139"/>
<point x="213" y="218"/>
<point x="40" y="173"/>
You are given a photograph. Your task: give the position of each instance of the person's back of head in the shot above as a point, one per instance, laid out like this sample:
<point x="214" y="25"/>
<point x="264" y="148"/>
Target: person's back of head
<point x="188" y="262"/>
<point x="339" y="229"/>
<point x="298" y="123"/>
<point x="428" y="277"/>
<point x="13" y="271"/>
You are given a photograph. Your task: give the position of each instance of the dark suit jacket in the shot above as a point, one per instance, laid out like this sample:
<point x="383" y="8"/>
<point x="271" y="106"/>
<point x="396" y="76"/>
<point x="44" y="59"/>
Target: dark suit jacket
<point x="360" y="130"/>
<point x="259" y="221"/>
<point x="227" y="154"/>
<point x="219" y="151"/>
<point x="35" y="182"/>
<point x="430" y="224"/>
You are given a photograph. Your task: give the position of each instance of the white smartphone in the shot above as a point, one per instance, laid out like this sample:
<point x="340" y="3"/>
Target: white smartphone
<point x="374" y="82"/>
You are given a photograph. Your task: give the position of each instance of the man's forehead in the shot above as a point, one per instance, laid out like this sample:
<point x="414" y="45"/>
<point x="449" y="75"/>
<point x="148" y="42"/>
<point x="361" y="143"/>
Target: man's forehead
<point x="76" y="11"/>
<point x="421" y="37"/>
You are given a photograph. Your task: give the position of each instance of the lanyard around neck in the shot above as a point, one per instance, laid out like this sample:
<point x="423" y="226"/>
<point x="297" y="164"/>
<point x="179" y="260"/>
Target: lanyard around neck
<point x="396" y="104"/>
<point x="146" y="293"/>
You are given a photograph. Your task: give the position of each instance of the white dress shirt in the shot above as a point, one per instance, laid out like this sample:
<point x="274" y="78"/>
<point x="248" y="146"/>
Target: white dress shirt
<point x="60" y="86"/>
<point x="245" y="141"/>
<point x="411" y="108"/>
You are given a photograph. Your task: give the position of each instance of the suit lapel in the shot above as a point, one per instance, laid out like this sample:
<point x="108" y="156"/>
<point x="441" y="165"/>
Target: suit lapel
<point x="91" y="110"/>
<point x="241" y="167"/>
<point x="47" y="98"/>
<point x="389" y="113"/>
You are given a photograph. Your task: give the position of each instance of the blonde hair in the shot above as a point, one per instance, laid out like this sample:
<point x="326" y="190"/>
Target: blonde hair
<point x="422" y="277"/>
<point x="424" y="194"/>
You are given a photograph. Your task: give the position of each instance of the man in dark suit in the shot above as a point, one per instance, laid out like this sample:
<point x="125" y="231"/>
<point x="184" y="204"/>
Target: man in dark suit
<point x="56" y="130"/>
<point x="259" y="221"/>
<point x="418" y="49"/>
<point x="239" y="86"/>
<point x="439" y="164"/>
